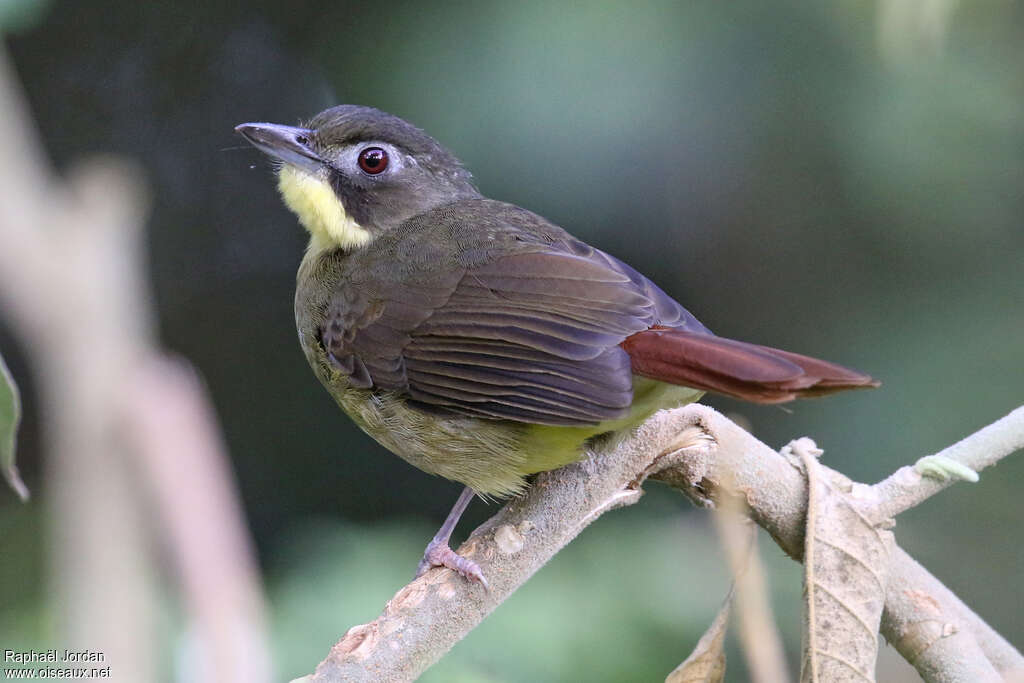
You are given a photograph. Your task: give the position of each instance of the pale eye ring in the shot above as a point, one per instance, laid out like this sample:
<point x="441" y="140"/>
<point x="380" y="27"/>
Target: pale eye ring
<point x="373" y="160"/>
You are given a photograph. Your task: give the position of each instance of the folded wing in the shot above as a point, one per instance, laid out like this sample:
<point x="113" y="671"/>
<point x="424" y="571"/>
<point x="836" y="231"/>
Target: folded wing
<point x="551" y="334"/>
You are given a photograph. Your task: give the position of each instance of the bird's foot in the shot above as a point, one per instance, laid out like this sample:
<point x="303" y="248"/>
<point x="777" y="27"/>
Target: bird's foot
<point x="439" y="554"/>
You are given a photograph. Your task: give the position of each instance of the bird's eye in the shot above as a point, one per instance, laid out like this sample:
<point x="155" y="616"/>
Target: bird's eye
<point x="373" y="160"/>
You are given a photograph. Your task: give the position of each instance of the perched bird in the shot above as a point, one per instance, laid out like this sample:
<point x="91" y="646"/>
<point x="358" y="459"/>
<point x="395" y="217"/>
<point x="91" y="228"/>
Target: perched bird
<point x="476" y="339"/>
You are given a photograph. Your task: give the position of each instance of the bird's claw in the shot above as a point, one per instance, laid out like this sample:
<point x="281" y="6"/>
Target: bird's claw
<point x="439" y="554"/>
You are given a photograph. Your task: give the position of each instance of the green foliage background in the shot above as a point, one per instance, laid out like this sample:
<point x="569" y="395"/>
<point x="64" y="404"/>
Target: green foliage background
<point x="789" y="175"/>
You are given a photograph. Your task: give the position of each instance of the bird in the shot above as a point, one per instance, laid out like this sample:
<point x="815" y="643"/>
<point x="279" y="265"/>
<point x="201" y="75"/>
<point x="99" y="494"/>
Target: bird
<point x="473" y="338"/>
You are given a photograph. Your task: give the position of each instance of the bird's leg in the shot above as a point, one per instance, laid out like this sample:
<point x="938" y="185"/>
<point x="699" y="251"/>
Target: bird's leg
<point x="440" y="554"/>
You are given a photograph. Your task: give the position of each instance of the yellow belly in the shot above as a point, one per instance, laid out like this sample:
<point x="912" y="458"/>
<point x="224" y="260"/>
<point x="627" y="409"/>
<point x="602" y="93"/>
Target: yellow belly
<point x="548" y="447"/>
<point x="492" y="457"/>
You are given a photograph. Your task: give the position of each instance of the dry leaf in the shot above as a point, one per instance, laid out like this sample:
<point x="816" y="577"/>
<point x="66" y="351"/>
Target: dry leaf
<point x="706" y="664"/>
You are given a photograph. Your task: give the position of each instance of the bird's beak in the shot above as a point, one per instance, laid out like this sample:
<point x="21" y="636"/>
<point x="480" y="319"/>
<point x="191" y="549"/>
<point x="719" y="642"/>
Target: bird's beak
<point x="284" y="143"/>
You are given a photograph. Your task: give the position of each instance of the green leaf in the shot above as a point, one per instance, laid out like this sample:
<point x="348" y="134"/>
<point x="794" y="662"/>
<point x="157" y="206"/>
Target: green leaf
<point x="10" y="417"/>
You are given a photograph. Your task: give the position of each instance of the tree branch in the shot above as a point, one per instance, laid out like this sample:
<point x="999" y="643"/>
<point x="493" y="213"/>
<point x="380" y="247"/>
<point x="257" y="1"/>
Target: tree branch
<point x="911" y="485"/>
<point x="693" y="449"/>
<point x="427" y="617"/>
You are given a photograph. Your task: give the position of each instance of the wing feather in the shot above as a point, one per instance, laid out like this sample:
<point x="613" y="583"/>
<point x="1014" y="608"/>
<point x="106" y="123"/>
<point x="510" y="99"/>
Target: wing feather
<point x="528" y="332"/>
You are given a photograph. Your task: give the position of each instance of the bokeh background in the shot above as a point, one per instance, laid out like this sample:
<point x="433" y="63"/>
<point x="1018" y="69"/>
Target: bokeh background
<point x="841" y="179"/>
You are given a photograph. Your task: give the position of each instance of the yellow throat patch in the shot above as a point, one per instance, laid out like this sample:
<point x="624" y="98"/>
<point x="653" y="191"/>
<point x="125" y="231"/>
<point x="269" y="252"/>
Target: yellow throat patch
<point x="320" y="211"/>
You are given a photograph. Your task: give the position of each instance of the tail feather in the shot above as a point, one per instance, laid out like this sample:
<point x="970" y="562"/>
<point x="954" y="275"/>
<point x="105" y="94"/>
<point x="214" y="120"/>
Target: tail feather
<point x="734" y="368"/>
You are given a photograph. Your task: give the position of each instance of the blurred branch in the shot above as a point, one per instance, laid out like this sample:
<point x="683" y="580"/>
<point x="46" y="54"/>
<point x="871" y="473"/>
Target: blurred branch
<point x="172" y="427"/>
<point x="702" y="454"/>
<point x="72" y="282"/>
<point x="762" y="644"/>
<point x="62" y="248"/>
<point x="912" y="31"/>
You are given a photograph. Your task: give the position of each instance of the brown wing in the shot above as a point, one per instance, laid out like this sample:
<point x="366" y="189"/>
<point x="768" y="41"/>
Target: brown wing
<point x="532" y="336"/>
<point x="499" y="314"/>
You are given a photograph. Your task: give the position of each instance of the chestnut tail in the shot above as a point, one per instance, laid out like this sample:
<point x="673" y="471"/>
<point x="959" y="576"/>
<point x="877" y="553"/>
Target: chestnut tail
<point x="748" y="371"/>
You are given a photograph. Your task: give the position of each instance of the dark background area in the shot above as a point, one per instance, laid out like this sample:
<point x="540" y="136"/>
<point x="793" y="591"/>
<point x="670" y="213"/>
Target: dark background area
<point x="841" y="181"/>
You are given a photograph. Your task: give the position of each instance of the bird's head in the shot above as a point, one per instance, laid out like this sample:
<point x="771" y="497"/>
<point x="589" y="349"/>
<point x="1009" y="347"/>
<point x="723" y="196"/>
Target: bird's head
<point x="354" y="172"/>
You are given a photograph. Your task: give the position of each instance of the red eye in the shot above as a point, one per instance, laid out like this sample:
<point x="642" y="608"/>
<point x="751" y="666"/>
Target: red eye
<point x="373" y="160"/>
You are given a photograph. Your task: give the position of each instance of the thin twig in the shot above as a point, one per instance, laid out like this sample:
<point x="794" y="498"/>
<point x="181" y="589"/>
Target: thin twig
<point x="908" y="487"/>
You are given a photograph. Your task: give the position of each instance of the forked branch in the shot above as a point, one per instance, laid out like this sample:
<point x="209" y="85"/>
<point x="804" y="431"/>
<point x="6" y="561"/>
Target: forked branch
<point x="697" y="451"/>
